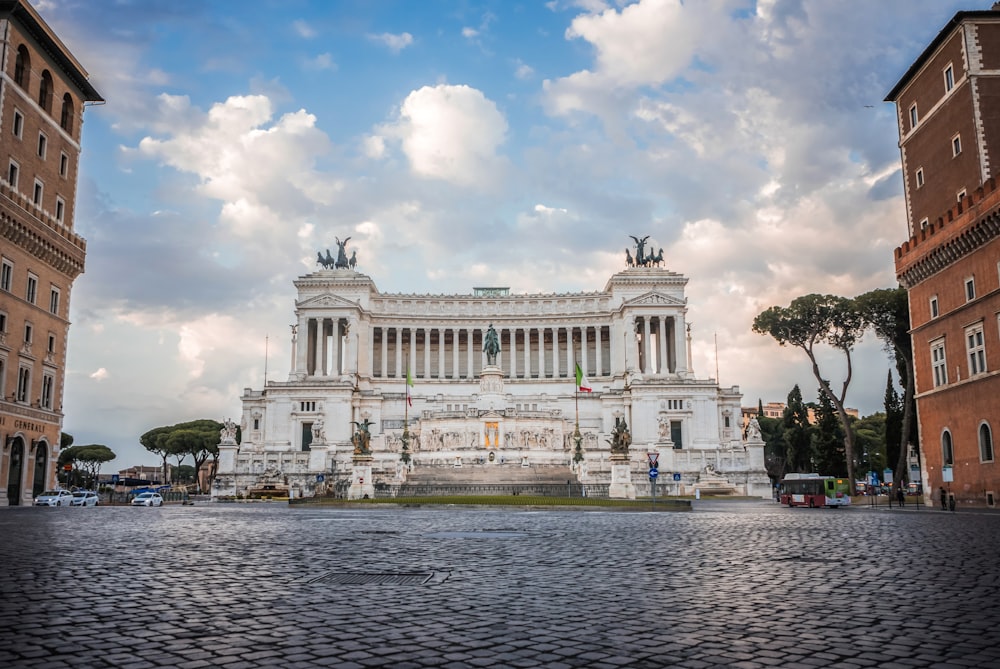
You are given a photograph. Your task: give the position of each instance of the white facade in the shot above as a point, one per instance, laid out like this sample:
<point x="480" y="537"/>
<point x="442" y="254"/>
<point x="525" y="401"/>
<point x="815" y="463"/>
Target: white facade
<point x="352" y="347"/>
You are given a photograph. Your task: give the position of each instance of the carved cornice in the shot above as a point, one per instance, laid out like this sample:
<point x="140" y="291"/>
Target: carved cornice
<point x="977" y="235"/>
<point x="58" y="247"/>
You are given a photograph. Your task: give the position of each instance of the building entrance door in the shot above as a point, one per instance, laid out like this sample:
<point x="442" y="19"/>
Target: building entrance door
<point x="15" y="473"/>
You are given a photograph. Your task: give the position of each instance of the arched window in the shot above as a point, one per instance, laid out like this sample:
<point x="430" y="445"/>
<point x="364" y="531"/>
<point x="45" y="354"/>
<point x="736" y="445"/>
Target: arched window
<point x="985" y="443"/>
<point x="22" y="67"/>
<point x="66" y="118"/>
<point x="45" y="92"/>
<point x="40" y="480"/>
<point x="947" y="454"/>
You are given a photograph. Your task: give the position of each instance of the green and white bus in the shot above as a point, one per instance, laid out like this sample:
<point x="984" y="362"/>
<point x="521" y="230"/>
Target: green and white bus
<point x="813" y="490"/>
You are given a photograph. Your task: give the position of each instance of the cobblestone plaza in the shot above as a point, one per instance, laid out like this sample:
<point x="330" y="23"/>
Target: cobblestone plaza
<point x="734" y="584"/>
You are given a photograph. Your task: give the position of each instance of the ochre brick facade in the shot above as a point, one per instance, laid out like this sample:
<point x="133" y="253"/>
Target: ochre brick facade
<point x="951" y="263"/>
<point x="42" y="95"/>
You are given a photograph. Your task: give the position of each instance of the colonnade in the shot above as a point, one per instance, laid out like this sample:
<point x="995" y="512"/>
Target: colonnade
<point x="653" y="344"/>
<point x="526" y="351"/>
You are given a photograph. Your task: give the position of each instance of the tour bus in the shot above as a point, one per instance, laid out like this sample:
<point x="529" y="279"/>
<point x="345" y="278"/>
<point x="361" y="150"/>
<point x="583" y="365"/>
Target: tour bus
<point x="813" y="490"/>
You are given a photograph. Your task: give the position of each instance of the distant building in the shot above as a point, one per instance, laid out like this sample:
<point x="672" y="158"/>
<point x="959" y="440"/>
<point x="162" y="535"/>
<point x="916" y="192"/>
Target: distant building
<point x="777" y="410"/>
<point x="43" y="90"/>
<point x="473" y="421"/>
<point x="949" y="138"/>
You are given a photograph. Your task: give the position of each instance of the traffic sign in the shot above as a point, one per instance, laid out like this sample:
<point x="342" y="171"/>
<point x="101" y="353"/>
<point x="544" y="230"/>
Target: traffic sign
<point x="320" y="478"/>
<point x="653" y="457"/>
<point x="677" y="476"/>
<point x="653" y="472"/>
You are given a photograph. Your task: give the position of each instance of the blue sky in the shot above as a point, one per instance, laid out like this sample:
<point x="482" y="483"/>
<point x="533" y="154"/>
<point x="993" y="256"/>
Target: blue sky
<point x="470" y="143"/>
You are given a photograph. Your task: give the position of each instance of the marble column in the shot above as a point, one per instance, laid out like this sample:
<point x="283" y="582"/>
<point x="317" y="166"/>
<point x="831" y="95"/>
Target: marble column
<point x="399" y="352"/>
<point x="680" y="346"/>
<point x="570" y="353"/>
<point x="647" y="366"/>
<point x="583" y="350"/>
<point x="541" y="353"/>
<point x="598" y="353"/>
<point x="323" y="344"/>
<point x="662" y="346"/>
<point x="440" y="332"/>
<point x="555" y="352"/>
<point x="526" y="333"/>
<point x="411" y="359"/>
<point x="454" y="353"/>
<point x="470" y="372"/>
<point x="385" y="352"/>
<point x="427" y="353"/>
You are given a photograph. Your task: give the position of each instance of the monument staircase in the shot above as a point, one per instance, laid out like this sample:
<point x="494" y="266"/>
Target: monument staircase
<point x="509" y="478"/>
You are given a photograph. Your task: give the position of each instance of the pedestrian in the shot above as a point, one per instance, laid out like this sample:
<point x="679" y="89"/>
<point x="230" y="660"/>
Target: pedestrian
<point x="944" y="499"/>
<point x="900" y="496"/>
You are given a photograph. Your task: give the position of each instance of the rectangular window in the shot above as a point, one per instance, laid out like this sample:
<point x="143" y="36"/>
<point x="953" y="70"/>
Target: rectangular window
<point x="32" y="293"/>
<point x="913" y="116"/>
<point x="28" y="333"/>
<point x="956" y="145"/>
<point x="920" y="178"/>
<point x="43" y="143"/>
<point x="63" y="164"/>
<point x="54" y="301"/>
<point x="938" y="363"/>
<point x="23" y="384"/>
<point x="976" y="348"/>
<point x="18" y="127"/>
<point x="12" y="173"/>
<point x="949" y="78"/>
<point x="960" y="195"/>
<point x="970" y="289"/>
<point x="52" y="343"/>
<point x="60" y="209"/>
<point x="36" y="196"/>
<point x="934" y="307"/>
<point x="47" y="382"/>
<point x="923" y="224"/>
<point x="6" y="274"/>
<point x="3" y="323"/>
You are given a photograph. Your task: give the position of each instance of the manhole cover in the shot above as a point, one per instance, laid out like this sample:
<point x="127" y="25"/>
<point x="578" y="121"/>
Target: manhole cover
<point x="374" y="579"/>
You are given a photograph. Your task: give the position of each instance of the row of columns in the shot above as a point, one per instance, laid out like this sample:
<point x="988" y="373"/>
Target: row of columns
<point x="526" y="351"/>
<point x="654" y="345"/>
<point x="660" y="345"/>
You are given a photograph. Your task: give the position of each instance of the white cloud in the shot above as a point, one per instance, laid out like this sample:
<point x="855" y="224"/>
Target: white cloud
<point x="394" y="43"/>
<point x="451" y="133"/>
<point x="303" y="29"/>
<point x="323" y="61"/>
<point x="469" y="33"/>
<point x="100" y="374"/>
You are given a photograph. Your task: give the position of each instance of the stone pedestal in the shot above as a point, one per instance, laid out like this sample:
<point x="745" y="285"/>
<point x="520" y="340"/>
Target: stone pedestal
<point x="621" y="478"/>
<point x="491" y="388"/>
<point x="361" y="478"/>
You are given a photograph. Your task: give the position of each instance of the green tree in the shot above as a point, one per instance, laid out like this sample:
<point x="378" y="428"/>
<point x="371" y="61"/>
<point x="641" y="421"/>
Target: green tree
<point x="869" y="435"/>
<point x="798" y="433"/>
<point x="197" y="438"/>
<point x="183" y="474"/>
<point x="775" y="446"/>
<point x="893" y="406"/>
<point x="65" y="440"/>
<point x="887" y="312"/>
<point x="806" y="323"/>
<point x="155" y="441"/>
<point x="86" y="462"/>
<point x="828" y="440"/>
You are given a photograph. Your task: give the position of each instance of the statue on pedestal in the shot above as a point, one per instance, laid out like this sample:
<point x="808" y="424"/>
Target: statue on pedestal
<point x="491" y="345"/>
<point x="362" y="438"/>
<point x="621" y="438"/>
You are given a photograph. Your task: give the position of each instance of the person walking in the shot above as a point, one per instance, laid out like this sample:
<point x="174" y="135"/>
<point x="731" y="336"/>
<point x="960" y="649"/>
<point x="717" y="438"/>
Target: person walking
<point x="900" y="496"/>
<point x="944" y="499"/>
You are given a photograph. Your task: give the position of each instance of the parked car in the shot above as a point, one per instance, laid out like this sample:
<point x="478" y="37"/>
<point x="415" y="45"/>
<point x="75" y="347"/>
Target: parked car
<point x="54" y="498"/>
<point x="148" y="499"/>
<point x="85" y="498"/>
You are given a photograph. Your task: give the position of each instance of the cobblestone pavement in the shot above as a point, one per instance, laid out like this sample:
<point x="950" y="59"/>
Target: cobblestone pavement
<point x="731" y="584"/>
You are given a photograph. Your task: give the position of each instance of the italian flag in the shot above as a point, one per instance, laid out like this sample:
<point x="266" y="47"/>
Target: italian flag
<point x="582" y="384"/>
<point x="409" y="385"/>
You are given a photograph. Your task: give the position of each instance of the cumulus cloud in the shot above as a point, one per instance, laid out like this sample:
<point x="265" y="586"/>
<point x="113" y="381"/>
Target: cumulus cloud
<point x="395" y="43"/>
<point x="449" y="132"/>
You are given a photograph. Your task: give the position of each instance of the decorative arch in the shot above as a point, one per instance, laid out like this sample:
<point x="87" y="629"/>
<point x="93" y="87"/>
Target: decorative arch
<point x="947" y="448"/>
<point x="985" y="442"/>
<point x="45" y="92"/>
<point x="41" y="475"/>
<point x="22" y="67"/>
<point x="15" y="470"/>
<point x="66" y="117"/>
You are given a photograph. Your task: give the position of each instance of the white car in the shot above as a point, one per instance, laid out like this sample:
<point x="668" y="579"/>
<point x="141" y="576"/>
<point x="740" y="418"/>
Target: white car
<point x="148" y="499"/>
<point x="54" y="498"/>
<point x="84" y="498"/>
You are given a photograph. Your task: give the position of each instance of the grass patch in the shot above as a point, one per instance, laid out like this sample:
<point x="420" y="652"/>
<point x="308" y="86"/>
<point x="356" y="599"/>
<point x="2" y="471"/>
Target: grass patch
<point x="503" y="500"/>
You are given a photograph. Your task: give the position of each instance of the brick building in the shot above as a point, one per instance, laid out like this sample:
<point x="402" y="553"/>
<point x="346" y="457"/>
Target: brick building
<point x="949" y="138"/>
<point x="43" y="90"/>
